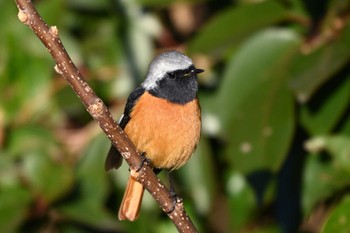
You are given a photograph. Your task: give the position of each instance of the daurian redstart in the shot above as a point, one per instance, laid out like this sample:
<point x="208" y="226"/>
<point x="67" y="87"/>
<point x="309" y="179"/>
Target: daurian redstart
<point x="162" y="118"/>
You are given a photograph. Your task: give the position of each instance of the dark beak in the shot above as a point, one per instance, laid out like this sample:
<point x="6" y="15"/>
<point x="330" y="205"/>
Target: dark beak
<point x="197" y="71"/>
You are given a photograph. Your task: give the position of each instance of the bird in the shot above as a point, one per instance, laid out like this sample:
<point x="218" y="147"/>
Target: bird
<point x="162" y="117"/>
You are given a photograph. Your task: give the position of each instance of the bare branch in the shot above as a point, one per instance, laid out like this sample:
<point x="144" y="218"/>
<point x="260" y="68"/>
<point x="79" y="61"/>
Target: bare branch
<point x="98" y="110"/>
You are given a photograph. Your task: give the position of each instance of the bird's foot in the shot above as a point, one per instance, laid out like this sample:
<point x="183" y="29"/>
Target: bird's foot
<point x="176" y="200"/>
<point x="173" y="195"/>
<point x="145" y="161"/>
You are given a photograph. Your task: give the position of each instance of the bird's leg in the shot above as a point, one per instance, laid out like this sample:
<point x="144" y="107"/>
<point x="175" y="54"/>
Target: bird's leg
<point x="173" y="194"/>
<point x="145" y="161"/>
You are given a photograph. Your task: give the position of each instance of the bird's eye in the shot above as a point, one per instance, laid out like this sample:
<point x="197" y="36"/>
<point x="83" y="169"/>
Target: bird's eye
<point x="171" y="75"/>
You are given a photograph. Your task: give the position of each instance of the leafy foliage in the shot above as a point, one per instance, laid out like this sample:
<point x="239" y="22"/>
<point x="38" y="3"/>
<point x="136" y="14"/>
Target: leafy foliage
<point x="275" y="107"/>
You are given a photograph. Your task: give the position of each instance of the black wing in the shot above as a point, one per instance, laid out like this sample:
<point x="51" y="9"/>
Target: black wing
<point x="114" y="158"/>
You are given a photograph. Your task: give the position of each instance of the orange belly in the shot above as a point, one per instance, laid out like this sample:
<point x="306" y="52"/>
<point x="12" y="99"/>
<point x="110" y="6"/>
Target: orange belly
<point x="167" y="132"/>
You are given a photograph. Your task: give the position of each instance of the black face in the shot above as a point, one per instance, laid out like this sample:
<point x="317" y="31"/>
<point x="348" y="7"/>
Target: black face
<point x="179" y="86"/>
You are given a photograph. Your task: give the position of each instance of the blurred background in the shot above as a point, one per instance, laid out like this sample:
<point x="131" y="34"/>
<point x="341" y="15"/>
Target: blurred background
<point x="274" y="155"/>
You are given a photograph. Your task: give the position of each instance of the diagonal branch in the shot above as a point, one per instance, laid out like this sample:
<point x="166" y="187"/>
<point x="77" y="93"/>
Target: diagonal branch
<point x="98" y="110"/>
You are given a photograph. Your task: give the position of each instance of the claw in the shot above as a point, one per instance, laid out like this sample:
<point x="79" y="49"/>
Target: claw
<point x="176" y="200"/>
<point x="145" y="161"/>
<point x="173" y="195"/>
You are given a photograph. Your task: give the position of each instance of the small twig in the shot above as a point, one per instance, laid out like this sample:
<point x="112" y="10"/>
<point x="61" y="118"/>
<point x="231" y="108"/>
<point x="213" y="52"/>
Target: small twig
<point x="98" y="110"/>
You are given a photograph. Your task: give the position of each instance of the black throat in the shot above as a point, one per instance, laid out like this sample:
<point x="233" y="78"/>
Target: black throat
<point x="177" y="87"/>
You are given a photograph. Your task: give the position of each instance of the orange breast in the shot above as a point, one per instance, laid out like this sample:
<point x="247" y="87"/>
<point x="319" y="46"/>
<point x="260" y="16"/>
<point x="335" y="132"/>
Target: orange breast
<point x="167" y="132"/>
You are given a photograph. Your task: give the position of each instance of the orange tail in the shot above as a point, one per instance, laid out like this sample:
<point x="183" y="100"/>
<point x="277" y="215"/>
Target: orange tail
<point x="130" y="206"/>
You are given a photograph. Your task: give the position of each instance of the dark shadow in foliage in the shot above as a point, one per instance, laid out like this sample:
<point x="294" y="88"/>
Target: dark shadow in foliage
<point x="289" y="185"/>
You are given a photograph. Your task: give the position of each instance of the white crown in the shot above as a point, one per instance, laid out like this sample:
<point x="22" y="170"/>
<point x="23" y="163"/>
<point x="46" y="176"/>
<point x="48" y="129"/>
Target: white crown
<point x="164" y="63"/>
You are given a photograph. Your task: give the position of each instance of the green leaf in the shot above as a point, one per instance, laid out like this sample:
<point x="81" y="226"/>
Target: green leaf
<point x="90" y="172"/>
<point x="331" y="174"/>
<point x="309" y="72"/>
<point x="345" y="128"/>
<point x="15" y="200"/>
<point x="339" y="219"/>
<point x="30" y="138"/>
<point x="88" y="4"/>
<point x="324" y="118"/>
<point x="69" y="103"/>
<point x="89" y="213"/>
<point x="234" y="25"/>
<point x="155" y="2"/>
<point x="241" y="199"/>
<point x="92" y="187"/>
<point x="198" y="177"/>
<point x="254" y="104"/>
<point x="52" y="11"/>
<point x="24" y="91"/>
<point x="338" y="146"/>
<point x="267" y="229"/>
<point x="46" y="177"/>
<point x="327" y="182"/>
